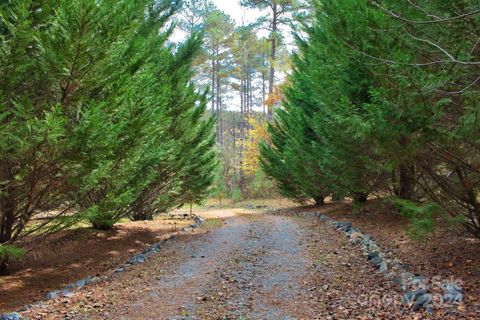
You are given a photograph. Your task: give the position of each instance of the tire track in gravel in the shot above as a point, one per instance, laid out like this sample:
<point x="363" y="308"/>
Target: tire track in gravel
<point x="174" y="296"/>
<point x="264" y="281"/>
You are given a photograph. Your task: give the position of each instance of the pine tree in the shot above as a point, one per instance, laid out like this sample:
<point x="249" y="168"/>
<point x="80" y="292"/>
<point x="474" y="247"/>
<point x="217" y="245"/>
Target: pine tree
<point x="95" y="109"/>
<point x="281" y="12"/>
<point x="381" y="99"/>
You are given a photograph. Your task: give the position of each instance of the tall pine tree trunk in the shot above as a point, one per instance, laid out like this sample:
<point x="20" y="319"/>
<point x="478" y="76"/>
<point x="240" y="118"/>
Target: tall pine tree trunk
<point x="360" y="197"/>
<point x="273" y="53"/>
<point x="219" y="110"/>
<point x="264" y="92"/>
<point x="213" y="85"/>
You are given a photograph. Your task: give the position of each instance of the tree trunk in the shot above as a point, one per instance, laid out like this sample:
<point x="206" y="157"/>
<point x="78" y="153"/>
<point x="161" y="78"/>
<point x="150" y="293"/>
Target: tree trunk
<point x="7" y="211"/>
<point x="213" y="85"/>
<point x="142" y="216"/>
<point x="407" y="182"/>
<point x="319" y="200"/>
<point x="3" y="266"/>
<point x="219" y="108"/>
<point x="360" y="197"/>
<point x="264" y="92"/>
<point x="336" y="197"/>
<point x="250" y="98"/>
<point x="8" y="203"/>
<point x="273" y="52"/>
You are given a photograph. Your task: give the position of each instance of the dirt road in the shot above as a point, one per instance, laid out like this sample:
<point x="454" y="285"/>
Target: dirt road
<point x="245" y="266"/>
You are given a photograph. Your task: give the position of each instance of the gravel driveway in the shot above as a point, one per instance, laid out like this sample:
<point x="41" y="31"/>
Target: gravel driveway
<point x="252" y="266"/>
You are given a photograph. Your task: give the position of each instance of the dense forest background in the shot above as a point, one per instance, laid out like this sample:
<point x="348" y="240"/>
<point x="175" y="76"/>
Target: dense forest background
<point x="243" y="65"/>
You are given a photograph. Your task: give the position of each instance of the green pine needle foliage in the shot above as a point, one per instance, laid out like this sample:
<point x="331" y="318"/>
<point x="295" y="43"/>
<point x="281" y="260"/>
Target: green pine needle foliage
<point x="423" y="217"/>
<point x="8" y="252"/>
<point x="383" y="98"/>
<point x="99" y="117"/>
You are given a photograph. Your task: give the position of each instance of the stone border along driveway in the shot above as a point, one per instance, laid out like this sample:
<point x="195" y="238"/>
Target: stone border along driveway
<point x="140" y="258"/>
<point x="417" y="293"/>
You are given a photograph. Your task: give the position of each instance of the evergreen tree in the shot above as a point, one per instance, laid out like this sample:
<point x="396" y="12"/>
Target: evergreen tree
<point x="381" y="98"/>
<point x="315" y="151"/>
<point x="281" y="13"/>
<point x="95" y="109"/>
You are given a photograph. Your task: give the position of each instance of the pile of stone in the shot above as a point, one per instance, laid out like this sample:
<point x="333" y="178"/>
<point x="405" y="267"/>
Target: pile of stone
<point x="197" y="222"/>
<point x="139" y="258"/>
<point x="417" y="293"/>
<point x="69" y="289"/>
<point x="142" y="257"/>
<point x="10" y="316"/>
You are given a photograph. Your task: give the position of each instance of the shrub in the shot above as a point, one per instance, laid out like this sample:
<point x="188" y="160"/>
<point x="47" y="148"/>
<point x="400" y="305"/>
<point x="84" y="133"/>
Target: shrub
<point x="236" y="195"/>
<point x="422" y="217"/>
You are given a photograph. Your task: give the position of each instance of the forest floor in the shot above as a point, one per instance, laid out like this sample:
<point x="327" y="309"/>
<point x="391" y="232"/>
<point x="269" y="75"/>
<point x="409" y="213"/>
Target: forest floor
<point x="245" y="264"/>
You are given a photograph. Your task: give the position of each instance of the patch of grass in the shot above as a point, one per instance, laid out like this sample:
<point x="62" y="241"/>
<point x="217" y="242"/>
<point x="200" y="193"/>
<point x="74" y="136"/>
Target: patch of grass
<point x="251" y="216"/>
<point x="213" y="223"/>
<point x="9" y="252"/>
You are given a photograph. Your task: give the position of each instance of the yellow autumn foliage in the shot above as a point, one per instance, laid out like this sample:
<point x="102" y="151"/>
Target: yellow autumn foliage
<point x="256" y="134"/>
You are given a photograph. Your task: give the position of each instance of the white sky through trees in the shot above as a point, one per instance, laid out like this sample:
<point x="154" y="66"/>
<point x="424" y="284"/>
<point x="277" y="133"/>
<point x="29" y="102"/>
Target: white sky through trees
<point x="240" y="16"/>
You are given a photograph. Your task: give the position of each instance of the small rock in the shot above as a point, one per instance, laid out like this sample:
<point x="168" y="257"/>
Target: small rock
<point x="452" y="288"/>
<point x="119" y="270"/>
<point x="344" y="226"/>
<point x="373" y="255"/>
<point x="69" y="287"/>
<point x="138" y="259"/>
<point x="83" y="282"/>
<point x="423" y="301"/>
<point x="412" y="296"/>
<point x="419" y="281"/>
<point x="377" y="261"/>
<point x="408" y="276"/>
<point x="356" y="237"/>
<point x="52" y="295"/>
<point x="398" y="281"/>
<point x="383" y="267"/>
<point x="67" y="294"/>
<point x="453" y="297"/>
<point x="10" y="316"/>
<point x="150" y="250"/>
